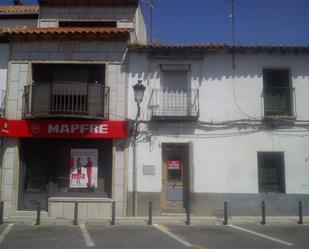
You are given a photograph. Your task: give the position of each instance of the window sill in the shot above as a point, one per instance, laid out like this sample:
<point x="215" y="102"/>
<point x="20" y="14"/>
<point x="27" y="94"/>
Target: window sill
<point x="279" y="118"/>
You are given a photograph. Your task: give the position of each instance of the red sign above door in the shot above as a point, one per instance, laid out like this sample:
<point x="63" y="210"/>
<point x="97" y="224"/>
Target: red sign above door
<point x="36" y="128"/>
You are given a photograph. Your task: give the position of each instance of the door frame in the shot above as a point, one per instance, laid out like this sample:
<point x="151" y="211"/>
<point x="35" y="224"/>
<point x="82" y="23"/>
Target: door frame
<point x="186" y="165"/>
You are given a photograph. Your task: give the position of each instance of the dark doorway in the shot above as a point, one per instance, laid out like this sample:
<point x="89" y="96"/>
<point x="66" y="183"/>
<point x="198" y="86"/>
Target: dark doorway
<point x="35" y="162"/>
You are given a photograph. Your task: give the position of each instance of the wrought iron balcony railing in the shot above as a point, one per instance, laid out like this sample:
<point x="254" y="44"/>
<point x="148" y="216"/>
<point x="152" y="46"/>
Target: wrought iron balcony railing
<point x="66" y="99"/>
<point x="174" y="104"/>
<point x="279" y="101"/>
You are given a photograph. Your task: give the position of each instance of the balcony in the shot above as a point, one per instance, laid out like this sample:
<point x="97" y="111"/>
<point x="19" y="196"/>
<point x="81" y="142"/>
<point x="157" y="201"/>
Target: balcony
<point x="66" y="99"/>
<point x="174" y="104"/>
<point x="278" y="102"/>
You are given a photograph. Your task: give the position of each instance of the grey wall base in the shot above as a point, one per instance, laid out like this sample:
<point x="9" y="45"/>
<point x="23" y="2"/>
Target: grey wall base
<point x="143" y="203"/>
<point x="211" y="204"/>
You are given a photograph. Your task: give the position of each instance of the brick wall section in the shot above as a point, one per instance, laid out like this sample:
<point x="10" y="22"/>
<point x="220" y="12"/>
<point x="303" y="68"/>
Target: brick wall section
<point x="79" y="51"/>
<point x="119" y="178"/>
<point x="18" y="78"/>
<point x="88" y="13"/>
<point x="117" y="83"/>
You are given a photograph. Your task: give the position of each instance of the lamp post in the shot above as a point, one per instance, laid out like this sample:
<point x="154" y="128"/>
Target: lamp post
<point x="139" y="90"/>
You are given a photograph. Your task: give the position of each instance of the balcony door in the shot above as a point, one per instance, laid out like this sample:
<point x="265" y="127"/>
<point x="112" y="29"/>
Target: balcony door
<point x="66" y="90"/>
<point x="175" y="94"/>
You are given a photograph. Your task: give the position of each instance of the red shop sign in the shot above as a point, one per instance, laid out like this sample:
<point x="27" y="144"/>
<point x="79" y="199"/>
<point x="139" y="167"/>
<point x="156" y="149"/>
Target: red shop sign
<point x="173" y="164"/>
<point x="65" y="128"/>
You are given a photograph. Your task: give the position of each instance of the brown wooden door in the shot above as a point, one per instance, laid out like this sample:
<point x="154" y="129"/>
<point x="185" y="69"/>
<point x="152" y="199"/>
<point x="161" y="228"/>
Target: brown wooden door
<point x="174" y="184"/>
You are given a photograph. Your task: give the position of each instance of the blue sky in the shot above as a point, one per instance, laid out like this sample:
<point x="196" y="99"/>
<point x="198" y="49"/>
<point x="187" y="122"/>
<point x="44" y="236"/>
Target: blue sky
<point x="207" y="21"/>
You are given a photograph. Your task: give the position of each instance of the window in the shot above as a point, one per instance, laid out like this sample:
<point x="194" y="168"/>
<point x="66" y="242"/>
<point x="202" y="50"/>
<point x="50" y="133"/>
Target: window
<point x="49" y="166"/>
<point x="271" y="172"/>
<point x="76" y="73"/>
<point x="87" y="24"/>
<point x="67" y="89"/>
<point x="174" y="91"/>
<point x="277" y="92"/>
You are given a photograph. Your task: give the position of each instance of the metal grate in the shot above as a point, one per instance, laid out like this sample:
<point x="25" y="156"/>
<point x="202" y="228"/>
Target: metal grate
<point x="278" y="101"/>
<point x="174" y="103"/>
<point x="66" y="98"/>
<point x="271" y="172"/>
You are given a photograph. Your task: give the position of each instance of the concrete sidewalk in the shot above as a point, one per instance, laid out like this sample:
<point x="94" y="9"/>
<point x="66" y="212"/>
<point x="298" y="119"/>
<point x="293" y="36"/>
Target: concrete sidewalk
<point x="179" y="219"/>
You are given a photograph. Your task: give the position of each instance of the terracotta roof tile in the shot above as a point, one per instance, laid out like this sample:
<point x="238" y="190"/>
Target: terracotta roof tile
<point x="70" y="30"/>
<point x="68" y="33"/>
<point x="18" y="9"/>
<point x="219" y="47"/>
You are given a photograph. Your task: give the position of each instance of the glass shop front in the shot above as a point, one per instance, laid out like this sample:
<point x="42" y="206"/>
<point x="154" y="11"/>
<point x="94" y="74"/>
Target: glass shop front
<point x="63" y="168"/>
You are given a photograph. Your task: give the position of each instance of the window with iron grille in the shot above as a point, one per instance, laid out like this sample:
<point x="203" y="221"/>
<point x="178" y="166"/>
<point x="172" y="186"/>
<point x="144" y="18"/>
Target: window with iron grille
<point x="277" y="92"/>
<point x="271" y="172"/>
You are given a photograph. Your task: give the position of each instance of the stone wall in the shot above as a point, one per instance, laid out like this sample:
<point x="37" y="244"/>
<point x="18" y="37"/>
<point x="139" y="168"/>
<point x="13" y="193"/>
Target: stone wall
<point x="88" y="13"/>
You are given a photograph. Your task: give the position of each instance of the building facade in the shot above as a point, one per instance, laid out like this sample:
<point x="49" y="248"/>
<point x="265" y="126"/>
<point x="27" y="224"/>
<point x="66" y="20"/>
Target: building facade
<point x="65" y="125"/>
<point x="217" y="123"/>
<point x="220" y="123"/>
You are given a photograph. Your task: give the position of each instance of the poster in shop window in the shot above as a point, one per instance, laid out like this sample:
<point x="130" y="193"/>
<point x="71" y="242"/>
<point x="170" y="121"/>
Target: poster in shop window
<point x="84" y="168"/>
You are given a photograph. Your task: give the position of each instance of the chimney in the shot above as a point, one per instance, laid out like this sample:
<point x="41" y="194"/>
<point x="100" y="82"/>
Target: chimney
<point x="17" y="2"/>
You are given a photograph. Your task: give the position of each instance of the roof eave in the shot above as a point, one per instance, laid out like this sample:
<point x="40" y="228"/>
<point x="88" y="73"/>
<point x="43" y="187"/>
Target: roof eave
<point x="69" y="37"/>
<point x="67" y="3"/>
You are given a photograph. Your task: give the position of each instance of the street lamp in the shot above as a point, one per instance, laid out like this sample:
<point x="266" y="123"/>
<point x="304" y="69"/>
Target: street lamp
<point x="139" y="90"/>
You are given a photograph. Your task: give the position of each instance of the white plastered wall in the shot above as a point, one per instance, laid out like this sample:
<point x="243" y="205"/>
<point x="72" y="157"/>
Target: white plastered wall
<point x="225" y="164"/>
<point x="140" y="26"/>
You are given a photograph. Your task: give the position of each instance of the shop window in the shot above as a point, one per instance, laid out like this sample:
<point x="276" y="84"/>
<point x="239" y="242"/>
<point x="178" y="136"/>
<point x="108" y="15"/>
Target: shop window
<point x="271" y="172"/>
<point x="277" y="92"/>
<point x="67" y="167"/>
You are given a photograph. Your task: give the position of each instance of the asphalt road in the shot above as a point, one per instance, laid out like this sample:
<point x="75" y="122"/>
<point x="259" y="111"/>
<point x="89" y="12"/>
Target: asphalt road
<point x="158" y="236"/>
